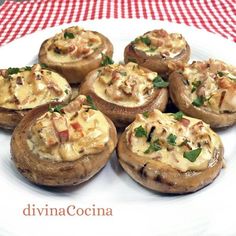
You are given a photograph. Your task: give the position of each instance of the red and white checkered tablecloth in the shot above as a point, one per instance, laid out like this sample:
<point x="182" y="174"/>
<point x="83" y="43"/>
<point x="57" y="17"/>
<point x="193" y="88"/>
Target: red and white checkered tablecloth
<point x="20" y="18"/>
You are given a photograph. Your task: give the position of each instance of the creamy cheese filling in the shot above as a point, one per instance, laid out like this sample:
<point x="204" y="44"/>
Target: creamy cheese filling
<point x="160" y="137"/>
<point x="72" y="44"/>
<point x="159" y="42"/>
<point x="212" y="85"/>
<point x="75" y="131"/>
<point x="25" y="88"/>
<point x="126" y="85"/>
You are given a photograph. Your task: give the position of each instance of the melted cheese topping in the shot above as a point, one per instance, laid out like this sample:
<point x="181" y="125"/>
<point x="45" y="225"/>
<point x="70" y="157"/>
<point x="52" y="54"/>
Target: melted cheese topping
<point x="159" y="42"/>
<point x="29" y="88"/>
<point x="190" y="134"/>
<point x="69" y="135"/>
<point x="127" y="85"/>
<point x="72" y="44"/>
<point x="213" y="81"/>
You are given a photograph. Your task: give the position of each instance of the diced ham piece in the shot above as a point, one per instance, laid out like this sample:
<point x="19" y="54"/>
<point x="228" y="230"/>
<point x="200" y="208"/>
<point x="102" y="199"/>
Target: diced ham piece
<point x="185" y="122"/>
<point x="76" y="126"/>
<point x="60" y="126"/>
<point x="75" y="105"/>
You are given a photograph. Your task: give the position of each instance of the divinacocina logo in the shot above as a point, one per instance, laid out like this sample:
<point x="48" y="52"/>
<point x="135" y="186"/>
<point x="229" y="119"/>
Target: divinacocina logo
<point x="70" y="210"/>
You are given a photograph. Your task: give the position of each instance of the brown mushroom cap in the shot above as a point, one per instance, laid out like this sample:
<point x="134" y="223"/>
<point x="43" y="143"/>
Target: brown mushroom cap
<point x="179" y="95"/>
<point x="163" y="66"/>
<point x="75" y="71"/>
<point x="10" y="118"/>
<point x="120" y="115"/>
<point x="52" y="173"/>
<point x="163" y="178"/>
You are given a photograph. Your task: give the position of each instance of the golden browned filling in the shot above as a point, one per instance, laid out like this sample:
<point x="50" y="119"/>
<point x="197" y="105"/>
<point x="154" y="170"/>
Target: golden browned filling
<point x="212" y="85"/>
<point x="182" y="142"/>
<point x="160" y="43"/>
<point x="127" y="85"/>
<point x="73" y="43"/>
<point x="70" y="132"/>
<point x="24" y="88"/>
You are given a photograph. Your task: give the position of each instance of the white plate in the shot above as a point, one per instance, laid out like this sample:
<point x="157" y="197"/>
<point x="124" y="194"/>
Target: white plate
<point x="136" y="210"/>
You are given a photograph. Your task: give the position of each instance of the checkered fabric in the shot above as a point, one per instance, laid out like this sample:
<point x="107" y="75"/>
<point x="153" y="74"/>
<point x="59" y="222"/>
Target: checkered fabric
<point x="20" y="18"/>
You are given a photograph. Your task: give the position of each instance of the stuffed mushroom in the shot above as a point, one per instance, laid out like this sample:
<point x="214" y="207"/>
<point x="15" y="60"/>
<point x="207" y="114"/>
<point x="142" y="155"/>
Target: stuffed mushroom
<point x="158" y="51"/>
<point x="122" y="91"/>
<point x="75" y="52"/>
<point x="170" y="153"/>
<point x="25" y="88"/>
<point x="57" y="145"/>
<point x="206" y="90"/>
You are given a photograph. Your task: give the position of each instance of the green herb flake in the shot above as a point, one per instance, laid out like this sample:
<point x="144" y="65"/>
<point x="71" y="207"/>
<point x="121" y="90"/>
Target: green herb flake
<point x="66" y="91"/>
<point x="193" y="154"/>
<point x="90" y="102"/>
<point x="158" y="82"/>
<point x="145" y="40"/>
<point x="68" y="35"/>
<point x="43" y="66"/>
<point x="106" y="60"/>
<point x="135" y="41"/>
<point x="27" y="68"/>
<point x="220" y="73"/>
<point x="153" y="147"/>
<point x="195" y="85"/>
<point x="13" y="70"/>
<point x="178" y="115"/>
<point x="146" y="114"/>
<point x="140" y="132"/>
<point x="57" y="108"/>
<point x="171" y="139"/>
<point x="199" y="101"/>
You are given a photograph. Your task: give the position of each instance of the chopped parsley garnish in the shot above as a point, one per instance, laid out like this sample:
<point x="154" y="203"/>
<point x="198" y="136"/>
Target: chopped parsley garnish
<point x="195" y="85"/>
<point x="146" y="114"/>
<point x="178" y="115"/>
<point x="13" y="70"/>
<point x="90" y="102"/>
<point x="68" y="35"/>
<point x="220" y="73"/>
<point x="66" y="91"/>
<point x="57" y="108"/>
<point x="192" y="155"/>
<point x="145" y="40"/>
<point x="27" y="68"/>
<point x="153" y="147"/>
<point x="199" y="101"/>
<point x="171" y="139"/>
<point x="43" y="66"/>
<point x="136" y="40"/>
<point x="140" y="132"/>
<point x="158" y="82"/>
<point x="106" y="60"/>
